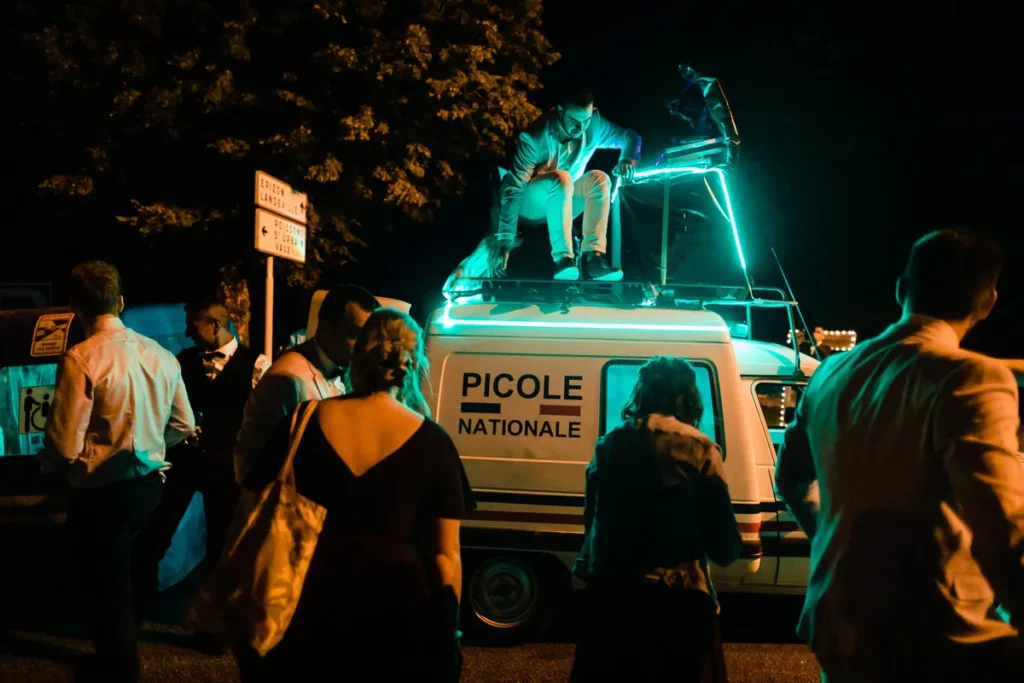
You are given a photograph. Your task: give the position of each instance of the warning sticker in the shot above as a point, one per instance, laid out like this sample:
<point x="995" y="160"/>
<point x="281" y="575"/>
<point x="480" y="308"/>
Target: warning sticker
<point x="34" y="408"/>
<point x="50" y="337"/>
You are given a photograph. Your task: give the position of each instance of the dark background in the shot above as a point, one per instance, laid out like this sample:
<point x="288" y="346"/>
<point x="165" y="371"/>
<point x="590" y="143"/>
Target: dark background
<point x="863" y="127"/>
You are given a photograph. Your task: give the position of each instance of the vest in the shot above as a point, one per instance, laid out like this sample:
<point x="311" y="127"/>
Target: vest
<point x="220" y="402"/>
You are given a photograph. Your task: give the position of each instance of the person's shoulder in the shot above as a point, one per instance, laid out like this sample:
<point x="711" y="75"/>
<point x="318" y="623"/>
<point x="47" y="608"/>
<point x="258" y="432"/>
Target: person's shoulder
<point x="289" y="363"/>
<point x="599" y="120"/>
<point x="537" y="128"/>
<point x="433" y="430"/>
<point x="623" y="430"/>
<point x="619" y="439"/>
<point x="153" y="348"/>
<point x="968" y="368"/>
<point x="81" y="349"/>
<point x="251" y="355"/>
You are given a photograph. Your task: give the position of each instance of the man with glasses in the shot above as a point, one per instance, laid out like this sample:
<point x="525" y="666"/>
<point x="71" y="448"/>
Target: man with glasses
<point x="549" y="182"/>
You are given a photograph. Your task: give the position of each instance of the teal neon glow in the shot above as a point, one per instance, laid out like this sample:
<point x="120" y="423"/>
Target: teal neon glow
<point x="448" y="322"/>
<point x="653" y="172"/>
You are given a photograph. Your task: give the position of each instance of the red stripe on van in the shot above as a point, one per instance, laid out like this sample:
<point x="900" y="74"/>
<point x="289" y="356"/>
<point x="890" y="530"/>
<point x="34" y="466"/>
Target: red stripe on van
<point x="538" y="517"/>
<point x="559" y="410"/>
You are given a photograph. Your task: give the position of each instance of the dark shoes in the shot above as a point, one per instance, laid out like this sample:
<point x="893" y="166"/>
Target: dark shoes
<point x="565" y="269"/>
<point x="596" y="267"/>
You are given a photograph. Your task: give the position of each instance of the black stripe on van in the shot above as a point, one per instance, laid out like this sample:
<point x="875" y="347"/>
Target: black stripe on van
<point x="482" y="408"/>
<point x="519" y="539"/>
<point x="551" y="499"/>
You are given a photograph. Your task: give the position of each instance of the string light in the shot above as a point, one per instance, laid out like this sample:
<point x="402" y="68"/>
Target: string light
<point x="837" y="340"/>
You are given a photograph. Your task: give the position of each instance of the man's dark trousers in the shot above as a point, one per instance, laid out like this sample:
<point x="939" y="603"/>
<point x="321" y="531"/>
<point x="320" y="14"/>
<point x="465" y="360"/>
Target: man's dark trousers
<point x="104" y="523"/>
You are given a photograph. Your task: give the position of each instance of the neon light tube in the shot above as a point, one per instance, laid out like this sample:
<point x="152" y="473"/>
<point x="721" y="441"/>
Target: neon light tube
<point x="652" y="172"/>
<point x="448" y="322"/>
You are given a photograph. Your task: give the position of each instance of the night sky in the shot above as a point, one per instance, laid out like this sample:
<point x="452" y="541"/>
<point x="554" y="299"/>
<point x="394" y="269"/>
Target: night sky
<point x="863" y="126"/>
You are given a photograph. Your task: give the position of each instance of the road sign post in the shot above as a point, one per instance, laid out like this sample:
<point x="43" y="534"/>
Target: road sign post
<point x="280" y="231"/>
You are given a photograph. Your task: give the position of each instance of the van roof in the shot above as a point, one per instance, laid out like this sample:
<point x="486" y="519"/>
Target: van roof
<point x="621" y="323"/>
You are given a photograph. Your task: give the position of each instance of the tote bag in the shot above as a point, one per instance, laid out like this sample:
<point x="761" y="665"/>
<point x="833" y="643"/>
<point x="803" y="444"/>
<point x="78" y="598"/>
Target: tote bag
<point x="250" y="596"/>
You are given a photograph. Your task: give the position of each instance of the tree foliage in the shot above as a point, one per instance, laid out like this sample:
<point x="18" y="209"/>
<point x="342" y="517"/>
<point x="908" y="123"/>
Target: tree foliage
<point x="374" y="107"/>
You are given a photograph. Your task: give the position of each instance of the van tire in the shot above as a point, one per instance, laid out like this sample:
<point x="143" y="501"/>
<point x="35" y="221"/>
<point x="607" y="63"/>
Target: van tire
<point x="507" y="598"/>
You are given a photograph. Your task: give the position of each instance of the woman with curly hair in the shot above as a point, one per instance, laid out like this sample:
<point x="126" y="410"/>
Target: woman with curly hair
<point x="657" y="509"/>
<point x="380" y="600"/>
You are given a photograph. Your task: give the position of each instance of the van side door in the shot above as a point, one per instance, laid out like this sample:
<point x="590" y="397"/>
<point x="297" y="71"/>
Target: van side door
<point x="778" y="399"/>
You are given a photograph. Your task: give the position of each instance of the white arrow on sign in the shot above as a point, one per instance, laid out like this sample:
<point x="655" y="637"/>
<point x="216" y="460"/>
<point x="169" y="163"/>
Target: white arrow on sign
<point x="278" y="197"/>
<point x="280" y="237"/>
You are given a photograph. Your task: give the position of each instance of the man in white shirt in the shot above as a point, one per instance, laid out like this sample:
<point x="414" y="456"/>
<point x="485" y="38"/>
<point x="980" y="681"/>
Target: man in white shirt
<point x="901" y="468"/>
<point x="219" y="374"/>
<point x="549" y="183"/>
<point x="119" y="405"/>
<point x="313" y="370"/>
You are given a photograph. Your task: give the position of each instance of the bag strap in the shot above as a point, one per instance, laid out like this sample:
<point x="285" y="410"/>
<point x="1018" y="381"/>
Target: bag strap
<point x="300" y="418"/>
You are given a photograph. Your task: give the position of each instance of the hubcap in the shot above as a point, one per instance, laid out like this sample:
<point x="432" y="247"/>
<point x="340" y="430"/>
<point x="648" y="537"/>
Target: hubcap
<point x="503" y="593"/>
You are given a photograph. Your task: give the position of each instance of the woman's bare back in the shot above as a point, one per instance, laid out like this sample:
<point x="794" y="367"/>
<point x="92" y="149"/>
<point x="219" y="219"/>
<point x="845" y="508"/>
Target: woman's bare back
<point x="365" y="431"/>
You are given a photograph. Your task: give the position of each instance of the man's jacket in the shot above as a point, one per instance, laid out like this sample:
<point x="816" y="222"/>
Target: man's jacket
<point x="540" y="150"/>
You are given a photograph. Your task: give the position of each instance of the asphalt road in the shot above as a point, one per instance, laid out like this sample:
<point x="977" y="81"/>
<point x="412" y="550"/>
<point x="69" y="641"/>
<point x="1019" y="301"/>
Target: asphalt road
<point x="40" y="658"/>
<point x="760" y="648"/>
<point x="40" y="641"/>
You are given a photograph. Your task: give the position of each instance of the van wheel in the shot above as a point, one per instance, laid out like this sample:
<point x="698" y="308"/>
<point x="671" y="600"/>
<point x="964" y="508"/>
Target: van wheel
<point x="504" y="600"/>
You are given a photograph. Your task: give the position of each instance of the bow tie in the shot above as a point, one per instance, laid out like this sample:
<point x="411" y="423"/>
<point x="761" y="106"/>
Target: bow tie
<point x="211" y="355"/>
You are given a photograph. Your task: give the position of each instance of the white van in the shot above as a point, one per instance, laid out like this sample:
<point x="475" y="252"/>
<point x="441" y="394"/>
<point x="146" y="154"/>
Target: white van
<point x="525" y="390"/>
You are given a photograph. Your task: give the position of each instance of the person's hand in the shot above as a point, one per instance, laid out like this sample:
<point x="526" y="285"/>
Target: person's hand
<point x="625" y="170"/>
<point x="193" y="438"/>
<point x="501" y="271"/>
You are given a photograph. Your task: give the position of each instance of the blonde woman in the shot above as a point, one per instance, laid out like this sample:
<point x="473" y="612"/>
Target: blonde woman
<point x="380" y="601"/>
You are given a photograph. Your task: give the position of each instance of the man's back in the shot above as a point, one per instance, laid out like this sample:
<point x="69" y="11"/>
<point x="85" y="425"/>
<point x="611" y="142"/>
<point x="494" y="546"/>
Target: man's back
<point x="113" y="407"/>
<point x="296" y="376"/>
<point x="913" y="443"/>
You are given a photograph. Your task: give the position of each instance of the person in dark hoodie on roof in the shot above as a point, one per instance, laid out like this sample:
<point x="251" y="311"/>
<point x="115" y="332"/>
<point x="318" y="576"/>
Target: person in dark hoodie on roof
<point x="657" y="509"/>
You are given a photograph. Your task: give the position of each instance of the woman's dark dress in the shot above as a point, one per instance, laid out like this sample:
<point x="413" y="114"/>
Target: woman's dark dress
<point x="369" y="608"/>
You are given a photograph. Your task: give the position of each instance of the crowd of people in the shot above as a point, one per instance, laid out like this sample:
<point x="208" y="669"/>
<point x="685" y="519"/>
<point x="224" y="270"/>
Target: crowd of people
<point x="138" y="432"/>
<point x="902" y="466"/>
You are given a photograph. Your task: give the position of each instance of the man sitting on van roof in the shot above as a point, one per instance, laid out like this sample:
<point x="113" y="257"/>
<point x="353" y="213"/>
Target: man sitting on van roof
<point x="548" y="182"/>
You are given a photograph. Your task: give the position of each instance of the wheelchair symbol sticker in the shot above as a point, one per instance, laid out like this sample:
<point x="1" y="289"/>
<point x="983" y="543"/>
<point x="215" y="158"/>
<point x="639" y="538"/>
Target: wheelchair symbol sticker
<point x="34" y="408"/>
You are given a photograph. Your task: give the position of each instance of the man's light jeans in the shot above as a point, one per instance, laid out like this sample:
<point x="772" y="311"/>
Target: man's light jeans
<point x="554" y="196"/>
